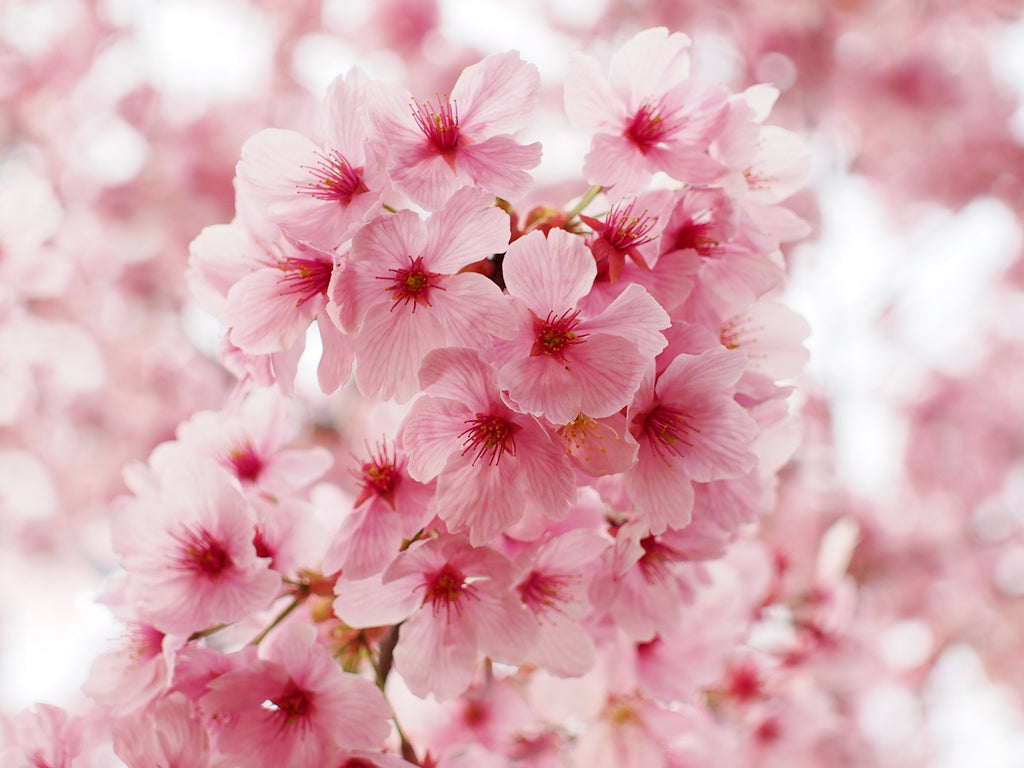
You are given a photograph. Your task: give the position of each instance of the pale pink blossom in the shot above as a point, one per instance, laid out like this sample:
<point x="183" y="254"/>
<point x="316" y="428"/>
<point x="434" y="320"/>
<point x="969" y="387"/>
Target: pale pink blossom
<point x="689" y="428"/>
<point x="553" y="582"/>
<point x="390" y="508"/>
<point x="489" y="460"/>
<point x="189" y="552"/>
<point x="318" y="191"/>
<point x="648" y="115"/>
<point x="402" y="292"/>
<point x="463" y="139"/>
<point x="460" y="608"/>
<point x="294" y="707"/>
<point x="564" y="361"/>
<point x="170" y="732"/>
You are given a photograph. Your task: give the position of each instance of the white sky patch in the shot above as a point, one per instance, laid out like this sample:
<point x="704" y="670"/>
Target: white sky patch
<point x="205" y="50"/>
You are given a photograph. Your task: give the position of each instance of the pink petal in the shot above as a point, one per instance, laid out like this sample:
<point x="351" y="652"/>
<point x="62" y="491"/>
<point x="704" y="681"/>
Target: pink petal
<point x="497" y="164"/>
<point x="496" y="95"/>
<point x="615" y="161"/>
<point x="390" y="348"/>
<point x="590" y="103"/>
<point x="650" y="62"/>
<point x="549" y="273"/>
<point x="636" y="316"/>
<point x="469" y="228"/>
<point x="262" y="320"/>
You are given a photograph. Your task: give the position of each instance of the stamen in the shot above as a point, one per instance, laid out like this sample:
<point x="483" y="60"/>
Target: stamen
<point x="441" y="127"/>
<point x="201" y="553"/>
<point x="668" y="431"/>
<point x="380" y="476"/>
<point x="554" y="335"/>
<point x="489" y="436"/>
<point x="445" y="589"/>
<point x="413" y="284"/>
<point x="305" y="278"/>
<point x="333" y="178"/>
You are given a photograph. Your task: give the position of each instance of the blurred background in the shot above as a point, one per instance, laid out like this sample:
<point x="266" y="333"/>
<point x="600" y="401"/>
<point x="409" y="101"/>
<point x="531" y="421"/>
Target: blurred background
<point x="120" y="126"/>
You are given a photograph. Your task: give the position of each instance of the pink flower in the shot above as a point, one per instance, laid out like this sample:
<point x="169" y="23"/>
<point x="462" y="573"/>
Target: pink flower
<point x="562" y="362"/>
<point x="553" y="587"/>
<point x="463" y="140"/>
<point x="489" y="460"/>
<point x="189" y="552"/>
<point x="404" y="294"/>
<point x="391" y="507"/>
<point x="130" y="677"/>
<point x="459" y="606"/>
<point x="689" y="428"/>
<point x="169" y="733"/>
<point x="648" y="116"/>
<point x="248" y="439"/>
<point x="626" y="228"/>
<point x="294" y="707"/>
<point x="317" y="191"/>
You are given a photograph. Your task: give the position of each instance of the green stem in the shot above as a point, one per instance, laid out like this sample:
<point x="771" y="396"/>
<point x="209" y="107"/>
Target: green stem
<point x="587" y="199"/>
<point x="280" y="617"/>
<point x="206" y="632"/>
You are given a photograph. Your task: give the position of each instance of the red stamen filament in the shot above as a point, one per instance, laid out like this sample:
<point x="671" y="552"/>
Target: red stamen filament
<point x="489" y="436"/>
<point x="334" y="179"/>
<point x="624" y="230"/>
<point x="541" y="592"/>
<point x="413" y="284"/>
<point x="305" y="278"/>
<point x="440" y="127"/>
<point x="379" y="476"/>
<point x="554" y="335"/>
<point x="668" y="431"/>
<point x="445" y="589"/>
<point x="202" y="553"/>
<point x="649" y="127"/>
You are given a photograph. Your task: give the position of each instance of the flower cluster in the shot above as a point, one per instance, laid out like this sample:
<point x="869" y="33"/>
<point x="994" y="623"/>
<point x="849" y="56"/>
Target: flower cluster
<point x="589" y="411"/>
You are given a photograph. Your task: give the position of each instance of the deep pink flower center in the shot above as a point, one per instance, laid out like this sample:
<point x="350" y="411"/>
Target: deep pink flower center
<point x="446" y="589"/>
<point x="655" y="564"/>
<point x="623" y="230"/>
<point x="292" y="705"/>
<point x="543" y="592"/>
<point x="489" y="436"/>
<point x="652" y="125"/>
<point x="333" y="179"/>
<point x="202" y="553"/>
<point x="412" y="284"/>
<point x="304" y="278"/>
<point x="244" y="460"/>
<point x="379" y="476"/>
<point x="440" y="126"/>
<point x="554" y="335"/>
<point x="668" y="431"/>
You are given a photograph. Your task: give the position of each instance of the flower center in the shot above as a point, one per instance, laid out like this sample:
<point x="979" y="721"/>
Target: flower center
<point x="201" y="553"/>
<point x="441" y="127"/>
<point x="650" y="126"/>
<point x="379" y="476"/>
<point x="542" y="592"/>
<point x="291" y="706"/>
<point x="668" y="432"/>
<point x="304" y="278"/>
<point x="553" y="335"/>
<point x="655" y="564"/>
<point x="446" y="589"/>
<point x="489" y="436"/>
<point x="412" y="284"/>
<point x="333" y="179"/>
<point x="623" y="230"/>
<point x="245" y="462"/>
